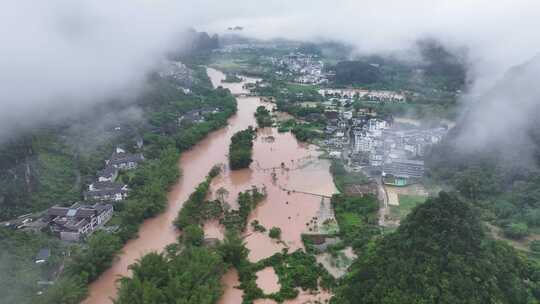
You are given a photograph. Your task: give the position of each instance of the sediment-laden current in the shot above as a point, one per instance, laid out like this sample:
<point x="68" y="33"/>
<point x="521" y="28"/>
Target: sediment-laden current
<point x="296" y="181"/>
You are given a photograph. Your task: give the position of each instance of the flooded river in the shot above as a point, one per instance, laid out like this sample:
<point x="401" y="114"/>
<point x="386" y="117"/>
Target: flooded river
<point x="281" y="164"/>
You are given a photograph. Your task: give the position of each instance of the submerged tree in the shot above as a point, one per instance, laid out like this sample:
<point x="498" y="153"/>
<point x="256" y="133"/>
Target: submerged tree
<point x="222" y="194"/>
<point x="233" y="249"/>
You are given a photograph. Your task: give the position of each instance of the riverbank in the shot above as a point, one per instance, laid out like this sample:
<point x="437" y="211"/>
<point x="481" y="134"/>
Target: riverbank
<point x="280" y="164"/>
<point x="157" y="232"/>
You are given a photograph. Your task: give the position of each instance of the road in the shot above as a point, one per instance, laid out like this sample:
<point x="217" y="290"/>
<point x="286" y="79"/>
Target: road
<point x="383" y="199"/>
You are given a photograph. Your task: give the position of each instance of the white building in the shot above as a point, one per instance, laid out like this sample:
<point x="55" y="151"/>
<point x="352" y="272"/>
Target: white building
<point x="363" y="143"/>
<point x="347" y="115"/>
<point x="335" y="154"/>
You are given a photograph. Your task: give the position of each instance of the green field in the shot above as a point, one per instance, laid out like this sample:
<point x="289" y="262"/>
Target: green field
<point x="342" y="177"/>
<point x="406" y="204"/>
<point x="229" y="65"/>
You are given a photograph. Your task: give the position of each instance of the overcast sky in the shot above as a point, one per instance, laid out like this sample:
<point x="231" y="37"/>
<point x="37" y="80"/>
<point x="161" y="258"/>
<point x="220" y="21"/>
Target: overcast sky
<point x="61" y="55"/>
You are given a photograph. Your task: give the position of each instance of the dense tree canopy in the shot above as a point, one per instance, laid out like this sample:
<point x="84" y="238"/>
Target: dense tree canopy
<point x="507" y="192"/>
<point x="191" y="276"/>
<point x="442" y="64"/>
<point x="264" y="119"/>
<point x="356" y="72"/>
<point x="439" y="254"/>
<point x="240" y="149"/>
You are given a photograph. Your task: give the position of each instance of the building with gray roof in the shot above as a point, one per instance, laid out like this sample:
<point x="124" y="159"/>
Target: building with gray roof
<point x="72" y="223"/>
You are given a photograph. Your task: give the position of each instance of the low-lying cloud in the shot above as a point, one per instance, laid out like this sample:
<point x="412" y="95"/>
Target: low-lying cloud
<point x="59" y="56"/>
<point x="505" y="118"/>
<point x="498" y="34"/>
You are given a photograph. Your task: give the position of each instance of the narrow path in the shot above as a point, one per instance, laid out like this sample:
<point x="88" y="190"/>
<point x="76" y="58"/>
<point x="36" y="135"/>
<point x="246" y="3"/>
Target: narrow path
<point x="304" y="192"/>
<point x="383" y="199"/>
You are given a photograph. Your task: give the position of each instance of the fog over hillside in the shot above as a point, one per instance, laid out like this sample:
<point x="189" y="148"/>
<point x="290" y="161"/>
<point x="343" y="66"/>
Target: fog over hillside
<point x="58" y="57"/>
<point x="505" y="118"/>
<point x="61" y="56"/>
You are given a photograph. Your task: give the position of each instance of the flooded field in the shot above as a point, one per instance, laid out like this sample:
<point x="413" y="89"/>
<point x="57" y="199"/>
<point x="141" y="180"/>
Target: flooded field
<point x="281" y="165"/>
<point x="268" y="281"/>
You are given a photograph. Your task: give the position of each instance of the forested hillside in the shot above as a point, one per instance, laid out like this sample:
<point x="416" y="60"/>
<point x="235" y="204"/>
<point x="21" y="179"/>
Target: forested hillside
<point x="356" y="72"/>
<point x="495" y="165"/>
<point x="51" y="165"/>
<point x="63" y="161"/>
<point x="439" y="254"/>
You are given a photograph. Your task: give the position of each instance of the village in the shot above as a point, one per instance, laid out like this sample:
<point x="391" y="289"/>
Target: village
<point x="307" y="69"/>
<point x="270" y="152"/>
<point x="73" y="222"/>
<point x="379" y="146"/>
<point x="388" y="152"/>
<point x="365" y="140"/>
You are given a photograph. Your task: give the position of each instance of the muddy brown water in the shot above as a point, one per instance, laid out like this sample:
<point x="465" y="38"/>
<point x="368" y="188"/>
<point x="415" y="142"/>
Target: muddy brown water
<point x="269" y="279"/>
<point x="279" y="163"/>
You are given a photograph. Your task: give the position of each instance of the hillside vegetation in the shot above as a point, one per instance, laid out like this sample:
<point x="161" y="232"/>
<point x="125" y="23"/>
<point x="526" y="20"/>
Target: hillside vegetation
<point x="439" y="254"/>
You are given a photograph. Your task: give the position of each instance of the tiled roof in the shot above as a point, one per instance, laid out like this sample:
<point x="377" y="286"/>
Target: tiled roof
<point x="119" y="158"/>
<point x="108" y="171"/>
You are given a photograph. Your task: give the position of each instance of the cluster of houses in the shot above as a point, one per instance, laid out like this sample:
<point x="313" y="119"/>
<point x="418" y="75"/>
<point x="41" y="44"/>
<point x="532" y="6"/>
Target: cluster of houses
<point x="362" y="94"/>
<point x="378" y="145"/>
<point x="397" y="153"/>
<point x="404" y="151"/>
<point x="196" y="116"/>
<point x="367" y="134"/>
<point x="83" y="218"/>
<point x="308" y="69"/>
<point x="339" y="124"/>
<point x="179" y="74"/>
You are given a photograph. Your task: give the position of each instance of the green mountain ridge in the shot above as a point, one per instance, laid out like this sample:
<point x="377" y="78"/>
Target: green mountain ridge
<point x="439" y="254"/>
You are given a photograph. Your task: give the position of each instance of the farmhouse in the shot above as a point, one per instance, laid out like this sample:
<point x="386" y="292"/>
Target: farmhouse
<point x="106" y="191"/>
<point x="108" y="174"/>
<point x="73" y="223"/>
<point x="124" y="161"/>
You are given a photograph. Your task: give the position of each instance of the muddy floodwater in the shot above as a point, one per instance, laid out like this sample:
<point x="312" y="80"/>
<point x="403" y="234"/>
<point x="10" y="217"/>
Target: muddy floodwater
<point x="295" y="179"/>
<point x="267" y="280"/>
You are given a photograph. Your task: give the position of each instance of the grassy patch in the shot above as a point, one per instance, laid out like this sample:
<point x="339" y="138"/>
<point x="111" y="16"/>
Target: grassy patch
<point x="229" y="65"/>
<point x="350" y="221"/>
<point x="406" y="204"/>
<point x="357" y="218"/>
<point x="56" y="175"/>
<point x="302" y="89"/>
<point x="329" y="227"/>
<point x="342" y="177"/>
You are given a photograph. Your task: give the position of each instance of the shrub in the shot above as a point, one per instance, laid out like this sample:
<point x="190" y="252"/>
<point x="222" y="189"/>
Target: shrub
<point x="516" y="230"/>
<point x="193" y="235"/>
<point x="275" y="233"/>
<point x="535" y="246"/>
<point x="257" y="226"/>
